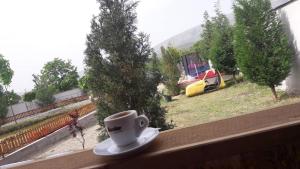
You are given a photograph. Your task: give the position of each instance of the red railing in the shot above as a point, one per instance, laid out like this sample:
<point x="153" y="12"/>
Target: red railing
<point x="28" y="136"/>
<point x="44" y="109"/>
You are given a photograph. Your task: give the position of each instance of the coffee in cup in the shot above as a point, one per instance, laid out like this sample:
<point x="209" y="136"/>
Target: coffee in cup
<point x="125" y="127"/>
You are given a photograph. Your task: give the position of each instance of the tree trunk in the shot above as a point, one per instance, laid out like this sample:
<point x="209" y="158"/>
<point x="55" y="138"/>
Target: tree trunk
<point x="274" y="92"/>
<point x="234" y="78"/>
<point x="26" y="106"/>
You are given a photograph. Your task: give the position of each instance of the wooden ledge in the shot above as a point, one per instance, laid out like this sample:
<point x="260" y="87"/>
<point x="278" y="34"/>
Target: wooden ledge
<point x="205" y="141"/>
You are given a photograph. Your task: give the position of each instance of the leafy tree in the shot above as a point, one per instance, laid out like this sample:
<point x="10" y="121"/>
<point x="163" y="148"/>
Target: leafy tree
<point x="44" y="95"/>
<point x="156" y="63"/>
<point x="83" y="83"/>
<point x="58" y="73"/>
<point x="6" y="74"/>
<point x="203" y="45"/>
<point x="261" y="45"/>
<point x="3" y="105"/>
<point x="154" y="66"/>
<point x="116" y="58"/>
<point x="29" y="96"/>
<point x="221" y="45"/>
<point x="14" y="98"/>
<point x="171" y="73"/>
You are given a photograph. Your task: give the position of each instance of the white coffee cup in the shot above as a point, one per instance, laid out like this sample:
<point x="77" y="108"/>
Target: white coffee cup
<point x="125" y="127"/>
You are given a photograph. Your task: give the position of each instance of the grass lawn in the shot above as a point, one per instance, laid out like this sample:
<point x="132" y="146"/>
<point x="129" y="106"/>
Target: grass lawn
<point x="235" y="100"/>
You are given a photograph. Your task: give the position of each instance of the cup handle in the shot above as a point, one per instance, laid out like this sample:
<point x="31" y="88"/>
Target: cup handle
<point x="142" y="123"/>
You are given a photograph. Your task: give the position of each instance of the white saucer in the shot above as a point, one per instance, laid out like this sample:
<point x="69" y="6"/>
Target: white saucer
<point x="109" y="149"/>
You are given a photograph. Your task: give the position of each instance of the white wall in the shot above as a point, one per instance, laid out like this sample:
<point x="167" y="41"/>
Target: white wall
<point x="21" y="107"/>
<point x="68" y="94"/>
<point x="290" y="15"/>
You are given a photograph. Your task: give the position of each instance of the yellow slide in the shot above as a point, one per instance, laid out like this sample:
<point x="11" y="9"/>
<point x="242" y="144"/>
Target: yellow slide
<point x="202" y="85"/>
<point x="195" y="88"/>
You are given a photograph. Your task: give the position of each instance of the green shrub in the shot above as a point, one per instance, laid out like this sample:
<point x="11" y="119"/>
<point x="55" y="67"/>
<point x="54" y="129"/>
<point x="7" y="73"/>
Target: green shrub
<point x="44" y="95"/>
<point x="3" y="104"/>
<point x="170" y="71"/>
<point x="29" y="96"/>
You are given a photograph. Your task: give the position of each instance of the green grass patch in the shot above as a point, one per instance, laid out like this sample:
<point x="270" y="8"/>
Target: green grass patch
<point x="233" y="101"/>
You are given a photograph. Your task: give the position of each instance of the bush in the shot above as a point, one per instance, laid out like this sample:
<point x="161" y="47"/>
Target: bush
<point x="171" y="73"/>
<point x="13" y="98"/>
<point x="3" y="104"/>
<point x="83" y="83"/>
<point x="44" y="95"/>
<point x="29" y="96"/>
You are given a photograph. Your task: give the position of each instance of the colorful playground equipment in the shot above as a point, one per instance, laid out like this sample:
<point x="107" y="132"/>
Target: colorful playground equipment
<point x="197" y="76"/>
<point x="206" y="84"/>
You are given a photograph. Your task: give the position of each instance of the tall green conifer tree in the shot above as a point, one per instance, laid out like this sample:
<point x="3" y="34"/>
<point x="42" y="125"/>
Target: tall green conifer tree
<point x="116" y="58"/>
<point x="261" y="45"/>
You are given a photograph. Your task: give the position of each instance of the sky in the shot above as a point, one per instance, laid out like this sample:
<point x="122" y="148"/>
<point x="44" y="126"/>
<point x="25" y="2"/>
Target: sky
<point x="33" y="32"/>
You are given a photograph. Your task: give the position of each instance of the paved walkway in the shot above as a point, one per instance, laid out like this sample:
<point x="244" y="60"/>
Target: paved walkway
<point x="71" y="144"/>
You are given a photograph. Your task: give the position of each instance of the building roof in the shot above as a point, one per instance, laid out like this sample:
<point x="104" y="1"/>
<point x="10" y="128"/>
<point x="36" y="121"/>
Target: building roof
<point x="277" y="4"/>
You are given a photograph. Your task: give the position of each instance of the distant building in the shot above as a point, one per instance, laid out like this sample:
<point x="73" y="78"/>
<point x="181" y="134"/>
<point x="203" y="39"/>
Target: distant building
<point x="26" y="106"/>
